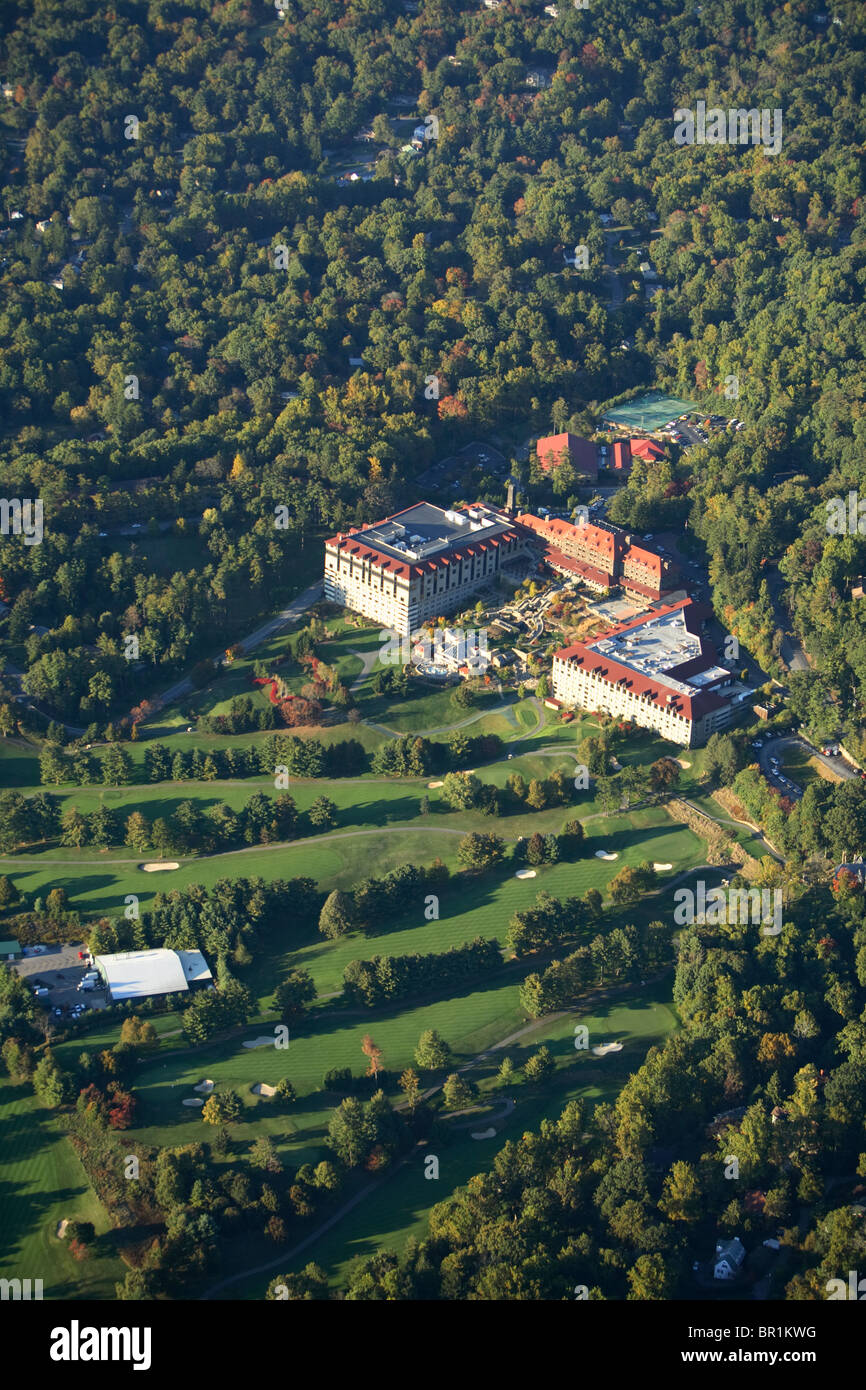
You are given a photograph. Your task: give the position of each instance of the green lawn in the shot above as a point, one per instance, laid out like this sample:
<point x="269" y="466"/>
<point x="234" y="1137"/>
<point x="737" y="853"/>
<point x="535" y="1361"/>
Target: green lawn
<point x="380" y="827"/>
<point x="400" y="1206"/>
<point x="41" y="1182"/>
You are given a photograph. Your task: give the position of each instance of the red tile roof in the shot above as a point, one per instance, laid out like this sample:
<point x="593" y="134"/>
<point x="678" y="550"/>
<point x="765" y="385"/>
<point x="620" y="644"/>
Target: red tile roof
<point x="655" y="687"/>
<point x="567" y="562"/>
<point x="582" y="452"/>
<point x="647" y="449"/>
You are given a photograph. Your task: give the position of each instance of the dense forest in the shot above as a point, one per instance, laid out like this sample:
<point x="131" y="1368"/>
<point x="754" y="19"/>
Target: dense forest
<point x="765" y="1082"/>
<point x="219" y="344"/>
<point x="200" y="325"/>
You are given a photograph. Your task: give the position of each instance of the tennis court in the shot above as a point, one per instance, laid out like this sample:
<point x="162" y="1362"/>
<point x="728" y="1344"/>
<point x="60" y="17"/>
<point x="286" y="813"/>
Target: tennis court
<point x="648" y="412"/>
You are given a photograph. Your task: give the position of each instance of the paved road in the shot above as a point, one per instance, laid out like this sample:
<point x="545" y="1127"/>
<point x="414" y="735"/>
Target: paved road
<point x="756" y="830"/>
<point x="141" y="530"/>
<point x="791" y="651"/>
<point x="774" y="747"/>
<point x="294" y="610"/>
<point x="610" y="272"/>
<point x="368" y="661"/>
<point x="25" y="701"/>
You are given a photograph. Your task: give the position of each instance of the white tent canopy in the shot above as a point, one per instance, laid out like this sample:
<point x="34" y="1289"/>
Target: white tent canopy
<point x="136" y="974"/>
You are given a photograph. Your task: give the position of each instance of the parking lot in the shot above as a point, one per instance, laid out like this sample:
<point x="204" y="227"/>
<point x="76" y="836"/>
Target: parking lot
<point x="457" y="468"/>
<point x="59" y="970"/>
<point x="688" y="430"/>
<point x="771" y="752"/>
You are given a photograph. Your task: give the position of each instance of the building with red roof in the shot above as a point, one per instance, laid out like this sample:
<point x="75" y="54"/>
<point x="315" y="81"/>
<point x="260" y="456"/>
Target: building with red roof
<point x="602" y="555"/>
<point x="656" y="670"/>
<point x="418" y="564"/>
<point x="646" y="449"/>
<point x="559" y="448"/>
<point x="625" y="451"/>
<point x="621" y="456"/>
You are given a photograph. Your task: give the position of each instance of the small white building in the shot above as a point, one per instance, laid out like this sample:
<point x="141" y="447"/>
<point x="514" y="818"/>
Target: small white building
<point x="140" y="974"/>
<point x="729" y="1258"/>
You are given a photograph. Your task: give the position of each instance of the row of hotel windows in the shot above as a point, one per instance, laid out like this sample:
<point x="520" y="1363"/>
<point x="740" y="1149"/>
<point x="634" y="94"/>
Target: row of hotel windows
<point x="571" y="684"/>
<point x="464" y="570"/>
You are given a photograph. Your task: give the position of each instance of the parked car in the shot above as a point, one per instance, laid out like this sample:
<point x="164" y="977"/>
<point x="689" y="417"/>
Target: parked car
<point x="84" y="986"/>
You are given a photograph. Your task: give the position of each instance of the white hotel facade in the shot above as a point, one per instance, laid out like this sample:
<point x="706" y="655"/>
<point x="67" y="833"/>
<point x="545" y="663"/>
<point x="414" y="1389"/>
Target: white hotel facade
<point x="421" y="563"/>
<point x="656" y="671"/>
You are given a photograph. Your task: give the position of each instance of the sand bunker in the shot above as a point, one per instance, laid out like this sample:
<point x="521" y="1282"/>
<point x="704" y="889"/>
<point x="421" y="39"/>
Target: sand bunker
<point x="205" y="1087"/>
<point x="158" y="868"/>
<point x="484" y="1133"/>
<point x="682" y="762"/>
<point x="605" y="854"/>
<point x="262" y="1088"/>
<point x="193" y="1101"/>
<point x="525" y="873"/>
<point x="604" y="1048"/>
<point x="61" y="1228"/>
<point x="657" y="865"/>
<point x="434" y="784"/>
<point x="262" y="1041"/>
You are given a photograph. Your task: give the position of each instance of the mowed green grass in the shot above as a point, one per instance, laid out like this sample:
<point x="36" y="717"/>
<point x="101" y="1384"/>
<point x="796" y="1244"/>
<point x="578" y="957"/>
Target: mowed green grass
<point x="399" y="1207"/>
<point x="41" y="1182"/>
<point x="483" y="906"/>
<point x="99" y="883"/>
<point x="471" y="1020"/>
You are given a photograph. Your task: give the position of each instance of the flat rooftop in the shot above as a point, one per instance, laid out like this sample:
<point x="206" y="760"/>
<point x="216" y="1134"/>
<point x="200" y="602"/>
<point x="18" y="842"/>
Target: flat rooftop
<point x="425" y="529"/>
<point x="658" y="645"/>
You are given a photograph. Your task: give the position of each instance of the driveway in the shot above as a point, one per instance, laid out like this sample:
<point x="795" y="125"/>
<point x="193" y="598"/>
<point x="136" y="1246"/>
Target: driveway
<point x="774" y="747"/>
<point x="294" y="610"/>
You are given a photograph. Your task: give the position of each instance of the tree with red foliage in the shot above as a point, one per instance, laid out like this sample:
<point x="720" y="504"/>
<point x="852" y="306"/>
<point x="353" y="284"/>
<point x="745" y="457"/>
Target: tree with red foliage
<point x="92" y="1102"/>
<point x="121" y="1107"/>
<point x="452" y="408"/>
<point x="139" y="713"/>
<point x="295" y="712"/>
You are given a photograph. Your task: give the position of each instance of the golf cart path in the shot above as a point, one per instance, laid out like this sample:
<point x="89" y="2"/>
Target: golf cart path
<point x="368" y="661"/>
<point x="591" y="1001"/>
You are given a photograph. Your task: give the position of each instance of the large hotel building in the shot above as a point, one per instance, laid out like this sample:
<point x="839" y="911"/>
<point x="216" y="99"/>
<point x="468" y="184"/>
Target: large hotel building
<point x="421" y="563"/>
<point x="425" y="562"/>
<point x="655" y="670"/>
<point x="602" y="557"/>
